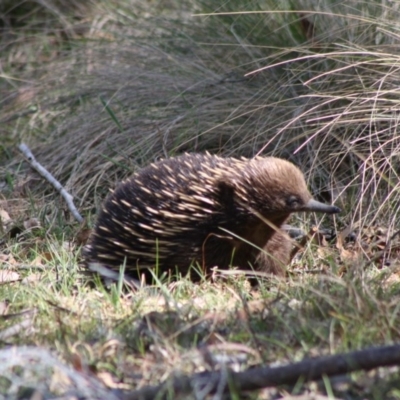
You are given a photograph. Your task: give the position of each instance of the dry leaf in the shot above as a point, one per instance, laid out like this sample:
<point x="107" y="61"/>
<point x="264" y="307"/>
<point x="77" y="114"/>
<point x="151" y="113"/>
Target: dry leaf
<point x="46" y="256"/>
<point x="5" y="221"/>
<point x="350" y="256"/>
<point x="374" y="243"/>
<point x="342" y="236"/>
<point x="8" y="276"/>
<point x="32" y="278"/>
<point x="76" y="361"/>
<point x="4" y="216"/>
<point x="317" y="237"/>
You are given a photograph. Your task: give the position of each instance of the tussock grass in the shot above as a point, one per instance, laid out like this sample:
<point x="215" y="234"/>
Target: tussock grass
<point x="324" y="99"/>
<point x="99" y="92"/>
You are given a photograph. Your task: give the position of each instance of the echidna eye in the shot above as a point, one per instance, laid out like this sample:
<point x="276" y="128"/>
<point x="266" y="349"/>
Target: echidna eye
<point x="293" y="201"/>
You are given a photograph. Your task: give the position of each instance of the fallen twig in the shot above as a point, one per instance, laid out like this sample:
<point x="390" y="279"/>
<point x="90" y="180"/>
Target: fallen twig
<point x="262" y="377"/>
<point x="50" y="178"/>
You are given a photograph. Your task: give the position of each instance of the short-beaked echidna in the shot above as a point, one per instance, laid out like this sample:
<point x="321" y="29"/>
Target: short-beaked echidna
<point x="201" y="210"/>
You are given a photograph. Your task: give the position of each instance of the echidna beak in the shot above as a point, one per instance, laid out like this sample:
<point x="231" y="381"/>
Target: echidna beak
<point x="315" y="206"/>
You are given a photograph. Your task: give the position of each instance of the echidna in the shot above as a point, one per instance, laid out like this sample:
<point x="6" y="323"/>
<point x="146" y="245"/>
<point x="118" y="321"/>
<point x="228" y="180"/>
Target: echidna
<point x="201" y="210"/>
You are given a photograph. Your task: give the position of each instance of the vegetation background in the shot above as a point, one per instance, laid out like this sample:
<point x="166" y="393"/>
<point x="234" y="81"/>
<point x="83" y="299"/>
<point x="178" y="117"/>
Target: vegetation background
<point x="99" y="88"/>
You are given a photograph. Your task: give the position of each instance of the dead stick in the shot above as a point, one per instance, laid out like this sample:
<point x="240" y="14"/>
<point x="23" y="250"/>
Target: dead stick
<point x="50" y="178"/>
<point x="262" y="377"/>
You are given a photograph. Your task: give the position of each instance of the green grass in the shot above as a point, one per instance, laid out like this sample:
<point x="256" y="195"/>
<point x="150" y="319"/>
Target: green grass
<point x="159" y="331"/>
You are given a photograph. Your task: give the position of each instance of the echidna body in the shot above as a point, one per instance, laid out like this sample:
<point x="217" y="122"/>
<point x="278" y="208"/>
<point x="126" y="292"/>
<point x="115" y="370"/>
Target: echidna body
<point x="201" y="210"/>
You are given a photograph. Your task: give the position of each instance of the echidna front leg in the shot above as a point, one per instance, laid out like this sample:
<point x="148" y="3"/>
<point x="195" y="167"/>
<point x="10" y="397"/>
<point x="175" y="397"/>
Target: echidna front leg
<point x="276" y="254"/>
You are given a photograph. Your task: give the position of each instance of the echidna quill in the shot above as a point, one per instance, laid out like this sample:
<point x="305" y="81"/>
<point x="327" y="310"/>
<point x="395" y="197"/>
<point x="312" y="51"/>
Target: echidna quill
<point x="204" y="211"/>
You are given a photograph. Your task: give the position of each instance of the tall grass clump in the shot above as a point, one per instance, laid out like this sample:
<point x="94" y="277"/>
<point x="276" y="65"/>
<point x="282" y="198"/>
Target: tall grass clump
<point x="312" y="82"/>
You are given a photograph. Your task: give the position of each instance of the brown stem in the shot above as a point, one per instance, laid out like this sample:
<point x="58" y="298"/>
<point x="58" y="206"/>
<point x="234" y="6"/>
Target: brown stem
<point x="262" y="377"/>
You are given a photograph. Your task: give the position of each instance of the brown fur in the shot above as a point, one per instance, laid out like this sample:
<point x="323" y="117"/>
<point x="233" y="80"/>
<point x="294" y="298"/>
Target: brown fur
<point x="276" y="254"/>
<point x="200" y="210"/>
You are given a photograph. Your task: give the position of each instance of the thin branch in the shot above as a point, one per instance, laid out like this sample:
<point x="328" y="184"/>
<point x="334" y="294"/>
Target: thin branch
<point x="262" y="377"/>
<point x="50" y="178"/>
